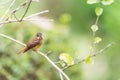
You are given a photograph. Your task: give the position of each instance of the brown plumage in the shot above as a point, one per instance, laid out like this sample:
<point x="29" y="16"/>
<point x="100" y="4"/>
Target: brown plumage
<point x="33" y="44"/>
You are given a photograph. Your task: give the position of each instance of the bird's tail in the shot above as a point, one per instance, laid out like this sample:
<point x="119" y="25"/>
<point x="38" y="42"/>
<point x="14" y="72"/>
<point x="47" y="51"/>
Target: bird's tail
<point x="23" y="50"/>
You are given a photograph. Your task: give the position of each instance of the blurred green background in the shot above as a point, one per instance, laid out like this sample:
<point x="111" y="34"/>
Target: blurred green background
<point x="69" y="33"/>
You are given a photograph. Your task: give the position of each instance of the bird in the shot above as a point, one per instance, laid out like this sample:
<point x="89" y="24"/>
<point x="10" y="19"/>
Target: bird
<point x="33" y="44"/>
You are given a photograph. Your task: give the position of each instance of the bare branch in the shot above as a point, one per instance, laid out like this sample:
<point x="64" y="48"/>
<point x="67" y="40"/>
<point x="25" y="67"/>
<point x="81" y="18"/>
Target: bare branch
<point x="102" y="50"/>
<point x="51" y="62"/>
<point x="45" y="11"/>
<point x="12" y="21"/>
<point x="42" y="54"/>
<point x="12" y="39"/>
<point x="14" y="11"/>
<point x="9" y="20"/>
<point x="7" y="10"/>
<point x="20" y="6"/>
<point x="26" y="10"/>
<point x="61" y="77"/>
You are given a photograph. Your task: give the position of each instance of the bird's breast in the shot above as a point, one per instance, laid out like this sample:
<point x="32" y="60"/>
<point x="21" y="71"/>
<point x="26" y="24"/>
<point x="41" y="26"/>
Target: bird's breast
<point x="37" y="46"/>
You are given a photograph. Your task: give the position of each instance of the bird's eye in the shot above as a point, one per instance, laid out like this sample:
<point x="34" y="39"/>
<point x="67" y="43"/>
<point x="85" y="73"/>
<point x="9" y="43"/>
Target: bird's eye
<point x="37" y="35"/>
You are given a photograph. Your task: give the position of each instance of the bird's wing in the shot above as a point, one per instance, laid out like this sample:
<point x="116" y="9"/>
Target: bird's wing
<point x="34" y="42"/>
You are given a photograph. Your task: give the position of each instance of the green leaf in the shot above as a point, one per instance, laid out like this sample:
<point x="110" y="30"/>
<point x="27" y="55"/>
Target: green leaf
<point x="97" y="40"/>
<point x="62" y="63"/>
<point x="107" y="2"/>
<point x="92" y="1"/>
<point x="88" y="59"/>
<point x="94" y="28"/>
<point x="98" y="11"/>
<point x="66" y="58"/>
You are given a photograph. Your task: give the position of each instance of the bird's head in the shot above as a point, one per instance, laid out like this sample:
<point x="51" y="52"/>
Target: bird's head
<point x="39" y="35"/>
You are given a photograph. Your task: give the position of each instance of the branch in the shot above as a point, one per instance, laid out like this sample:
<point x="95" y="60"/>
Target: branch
<point x="61" y="77"/>
<point x="102" y="50"/>
<point x="93" y="36"/>
<point x="9" y="20"/>
<point x="7" y="10"/>
<point x="94" y="55"/>
<point x="14" y="11"/>
<point x="12" y="21"/>
<point x="42" y="54"/>
<point x="55" y="66"/>
<point x="12" y="39"/>
<point x="20" y="6"/>
<point x="45" y="11"/>
<point x="26" y="10"/>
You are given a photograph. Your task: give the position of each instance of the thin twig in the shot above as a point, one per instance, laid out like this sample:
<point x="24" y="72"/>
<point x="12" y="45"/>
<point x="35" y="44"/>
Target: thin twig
<point x="48" y="53"/>
<point x="93" y="36"/>
<point x="12" y="21"/>
<point x="15" y="17"/>
<point x="55" y="66"/>
<point x="100" y="51"/>
<point x="19" y="7"/>
<point x="61" y="77"/>
<point x="97" y="53"/>
<point x="12" y="39"/>
<point x="7" y="10"/>
<point x="44" y="55"/>
<point x="26" y="10"/>
<point x="42" y="12"/>
<point x="96" y="20"/>
<point x="14" y="11"/>
<point x="41" y="20"/>
<point x="8" y="21"/>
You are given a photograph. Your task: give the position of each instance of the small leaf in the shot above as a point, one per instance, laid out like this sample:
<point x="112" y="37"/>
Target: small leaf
<point x="88" y="59"/>
<point x="98" y="11"/>
<point x="97" y="40"/>
<point x="62" y="63"/>
<point x="92" y="1"/>
<point x="107" y="2"/>
<point x="66" y="58"/>
<point x="94" y="28"/>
